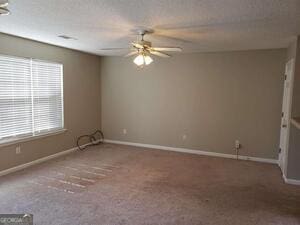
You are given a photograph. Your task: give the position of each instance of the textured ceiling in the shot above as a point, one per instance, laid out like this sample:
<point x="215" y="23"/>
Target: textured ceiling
<point x="194" y="25"/>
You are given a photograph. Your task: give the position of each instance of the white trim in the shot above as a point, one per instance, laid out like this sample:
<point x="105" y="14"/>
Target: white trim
<point x="38" y="161"/>
<point x="32" y="101"/>
<point x="283" y="155"/>
<point x="8" y="142"/>
<point x="290" y="181"/>
<point x="193" y="151"/>
<point x="62" y="95"/>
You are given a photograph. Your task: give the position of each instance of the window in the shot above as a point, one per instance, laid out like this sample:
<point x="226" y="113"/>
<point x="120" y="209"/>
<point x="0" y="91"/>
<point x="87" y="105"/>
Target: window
<point x="31" y="97"/>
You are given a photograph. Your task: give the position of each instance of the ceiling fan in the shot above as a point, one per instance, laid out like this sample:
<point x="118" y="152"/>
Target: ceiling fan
<point x="143" y="50"/>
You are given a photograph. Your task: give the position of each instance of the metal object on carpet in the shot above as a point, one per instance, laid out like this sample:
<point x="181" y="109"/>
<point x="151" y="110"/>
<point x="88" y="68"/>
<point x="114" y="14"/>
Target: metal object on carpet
<point x="95" y="138"/>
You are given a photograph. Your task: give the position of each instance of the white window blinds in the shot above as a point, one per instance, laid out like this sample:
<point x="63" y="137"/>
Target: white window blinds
<point x="15" y="97"/>
<point x="31" y="97"/>
<point x="47" y="96"/>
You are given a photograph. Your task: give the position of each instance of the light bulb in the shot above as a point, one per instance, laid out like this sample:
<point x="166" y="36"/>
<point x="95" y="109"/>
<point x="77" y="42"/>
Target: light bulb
<point x="148" y="59"/>
<point x="139" y="60"/>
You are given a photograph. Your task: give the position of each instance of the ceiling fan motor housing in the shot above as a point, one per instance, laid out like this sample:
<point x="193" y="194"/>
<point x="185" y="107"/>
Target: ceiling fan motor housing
<point x="145" y="43"/>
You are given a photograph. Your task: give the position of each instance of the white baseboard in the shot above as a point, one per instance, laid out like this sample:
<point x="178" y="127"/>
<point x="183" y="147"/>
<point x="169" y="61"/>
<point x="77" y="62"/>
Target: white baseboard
<point x="193" y="151"/>
<point x="290" y="181"/>
<point x="38" y="161"/>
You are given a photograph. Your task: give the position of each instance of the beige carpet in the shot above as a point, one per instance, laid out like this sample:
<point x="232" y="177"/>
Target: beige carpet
<point x="121" y="185"/>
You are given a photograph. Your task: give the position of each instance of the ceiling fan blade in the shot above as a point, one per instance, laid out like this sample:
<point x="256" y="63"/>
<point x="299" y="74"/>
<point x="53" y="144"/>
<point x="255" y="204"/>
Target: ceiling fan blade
<point x="3" y="3"/>
<point x="137" y="45"/>
<point x="168" y="49"/>
<point x="4" y="11"/>
<point x="160" y="54"/>
<point x="113" y="49"/>
<point x="131" y="54"/>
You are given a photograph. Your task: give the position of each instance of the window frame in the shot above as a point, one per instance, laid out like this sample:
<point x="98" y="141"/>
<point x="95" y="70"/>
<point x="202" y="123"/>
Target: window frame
<point x="42" y="134"/>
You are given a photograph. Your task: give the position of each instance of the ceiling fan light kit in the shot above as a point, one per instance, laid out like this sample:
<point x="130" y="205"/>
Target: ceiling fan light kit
<point x="142" y="60"/>
<point x="3" y="8"/>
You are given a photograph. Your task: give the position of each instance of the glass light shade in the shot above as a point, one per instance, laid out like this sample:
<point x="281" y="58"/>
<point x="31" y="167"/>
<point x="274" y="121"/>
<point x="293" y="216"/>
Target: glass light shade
<point x="139" y="60"/>
<point x="142" y="60"/>
<point x="148" y="59"/>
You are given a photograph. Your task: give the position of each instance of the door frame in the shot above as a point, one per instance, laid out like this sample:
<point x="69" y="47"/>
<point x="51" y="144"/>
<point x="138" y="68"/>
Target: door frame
<point x="283" y="154"/>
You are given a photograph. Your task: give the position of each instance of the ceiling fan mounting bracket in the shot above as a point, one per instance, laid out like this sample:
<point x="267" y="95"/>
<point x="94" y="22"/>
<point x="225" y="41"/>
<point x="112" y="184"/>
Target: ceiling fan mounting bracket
<point x="143" y="31"/>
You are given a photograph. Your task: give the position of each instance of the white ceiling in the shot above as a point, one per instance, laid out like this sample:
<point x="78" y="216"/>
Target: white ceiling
<point x="194" y="25"/>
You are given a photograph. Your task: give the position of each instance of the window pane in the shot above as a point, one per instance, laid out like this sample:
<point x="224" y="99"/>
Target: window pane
<point x="47" y="96"/>
<point x="15" y="97"/>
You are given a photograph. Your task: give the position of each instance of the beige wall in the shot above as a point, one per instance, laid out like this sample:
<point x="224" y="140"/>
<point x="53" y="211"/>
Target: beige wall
<point x="296" y="89"/>
<point x="81" y="98"/>
<point x="293" y="167"/>
<point x="213" y="98"/>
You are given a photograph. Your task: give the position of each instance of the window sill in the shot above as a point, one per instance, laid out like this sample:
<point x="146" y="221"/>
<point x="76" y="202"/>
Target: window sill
<point x="26" y="139"/>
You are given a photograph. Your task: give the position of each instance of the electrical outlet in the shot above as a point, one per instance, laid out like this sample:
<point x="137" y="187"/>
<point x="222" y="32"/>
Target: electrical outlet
<point x="184" y="137"/>
<point x="124" y="131"/>
<point x="237" y="144"/>
<point x="18" y="150"/>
